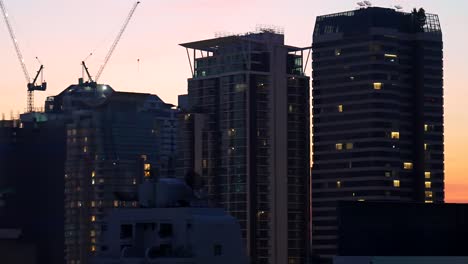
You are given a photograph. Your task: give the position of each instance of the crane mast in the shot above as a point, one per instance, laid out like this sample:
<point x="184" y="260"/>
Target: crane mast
<point x="31" y="85"/>
<point x="117" y="40"/>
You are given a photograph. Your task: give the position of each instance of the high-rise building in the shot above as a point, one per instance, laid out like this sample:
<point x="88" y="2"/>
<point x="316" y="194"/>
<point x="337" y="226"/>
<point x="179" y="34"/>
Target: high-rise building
<point x="248" y="149"/>
<point x="377" y="113"/>
<point x="112" y="139"/>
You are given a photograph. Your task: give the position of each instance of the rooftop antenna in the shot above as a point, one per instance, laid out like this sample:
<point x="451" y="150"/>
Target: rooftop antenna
<point x="84" y="68"/>
<point x="368" y="3"/>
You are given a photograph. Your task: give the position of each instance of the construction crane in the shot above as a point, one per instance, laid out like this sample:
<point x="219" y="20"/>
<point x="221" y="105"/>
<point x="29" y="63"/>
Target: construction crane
<point x="114" y="45"/>
<point x="31" y="84"/>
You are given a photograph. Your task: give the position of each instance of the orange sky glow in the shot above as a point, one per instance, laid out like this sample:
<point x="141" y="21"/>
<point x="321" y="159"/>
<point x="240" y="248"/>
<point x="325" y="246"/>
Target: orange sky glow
<point x="63" y="33"/>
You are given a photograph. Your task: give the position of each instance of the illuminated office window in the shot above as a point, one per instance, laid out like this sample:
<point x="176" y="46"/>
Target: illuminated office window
<point x="427" y="174"/>
<point x="426" y="146"/>
<point x="338" y="184"/>
<point x="349" y="145"/>
<point x="93" y="174"/>
<point x="93" y="218"/>
<point x="428" y="184"/>
<point x="396" y="183"/>
<point x="147" y="174"/>
<point x="339" y="146"/>
<point x="387" y="55"/>
<point x="116" y="203"/>
<point x="429" y="201"/>
<point x="147" y="166"/>
<point x="395" y="135"/>
<point x="428" y="194"/>
<point x="378" y="86"/>
<point x="340" y="108"/>
<point x="93" y="248"/>
<point x="426" y="127"/>
<point x="408" y="165"/>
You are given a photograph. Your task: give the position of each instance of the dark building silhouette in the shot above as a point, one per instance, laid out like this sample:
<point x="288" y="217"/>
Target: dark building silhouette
<point x="245" y="139"/>
<point x="112" y="138"/>
<point x="377" y="113"/>
<point x="402" y="229"/>
<point x="32" y="159"/>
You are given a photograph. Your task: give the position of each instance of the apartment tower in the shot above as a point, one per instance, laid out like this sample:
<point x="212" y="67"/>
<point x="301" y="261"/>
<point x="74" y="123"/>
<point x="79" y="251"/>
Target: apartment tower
<point x="377" y="113"/>
<point x="247" y="148"/>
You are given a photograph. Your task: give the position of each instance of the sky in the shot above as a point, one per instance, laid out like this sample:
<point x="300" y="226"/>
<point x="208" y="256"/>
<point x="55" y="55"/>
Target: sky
<point x="63" y="33"/>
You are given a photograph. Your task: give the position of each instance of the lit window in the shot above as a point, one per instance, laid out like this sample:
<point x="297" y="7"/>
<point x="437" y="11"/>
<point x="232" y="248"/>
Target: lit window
<point x="205" y="164"/>
<point x="93" y="174"/>
<point x="429" y="201"/>
<point x="338" y="184"/>
<point x="92" y="233"/>
<point x="339" y="146"/>
<point x="93" y="182"/>
<point x="426" y="127"/>
<point x="388" y="174"/>
<point x="427" y="174"/>
<point x="147" y="174"/>
<point x="93" y="218"/>
<point x="428" y="184"/>
<point x="390" y="55"/>
<point x="93" y="203"/>
<point x="378" y="85"/>
<point x="361" y="200"/>
<point x="291" y="108"/>
<point x="93" y="248"/>
<point x="134" y="181"/>
<point x="395" y="135"/>
<point x="425" y="146"/>
<point x="340" y="108"/>
<point x="187" y="117"/>
<point x="147" y="166"/>
<point x="116" y="203"/>
<point x="349" y="145"/>
<point x="93" y="240"/>
<point x="231" y="132"/>
<point x="337" y="52"/>
<point x="85" y="149"/>
<point x="396" y="183"/>
<point x="86" y="139"/>
<point x="428" y="194"/>
<point x="408" y="165"/>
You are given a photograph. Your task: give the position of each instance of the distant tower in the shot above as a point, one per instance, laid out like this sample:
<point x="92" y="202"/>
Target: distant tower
<point x="378" y="113"/>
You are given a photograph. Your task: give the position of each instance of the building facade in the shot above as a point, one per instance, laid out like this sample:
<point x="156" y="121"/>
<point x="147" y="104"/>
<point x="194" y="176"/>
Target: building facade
<point x="377" y="113"/>
<point x="112" y="138"/>
<point x="247" y="148"/>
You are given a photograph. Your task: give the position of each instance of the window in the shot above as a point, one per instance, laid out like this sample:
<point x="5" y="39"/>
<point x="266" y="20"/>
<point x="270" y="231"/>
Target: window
<point x="165" y="230"/>
<point x="429" y="201"/>
<point x="396" y="183"/>
<point x="428" y="184"/>
<point x="205" y="163"/>
<point x="93" y="248"/>
<point x="349" y="145"/>
<point x="92" y="233"/>
<point x="116" y="203"/>
<point x="147" y="166"/>
<point x="388" y="174"/>
<point x="338" y="184"/>
<point x="93" y="174"/>
<point x="85" y="149"/>
<point x="340" y="108"/>
<point x="408" y="165"/>
<point x="387" y="55"/>
<point x="428" y="194"/>
<point x="337" y="52"/>
<point x="426" y="146"/>
<point x="427" y="174"/>
<point x="93" y="181"/>
<point x="147" y="174"/>
<point x="395" y="135"/>
<point x="93" y="218"/>
<point x="339" y="146"/>
<point x="426" y="127"/>
<point x="217" y="250"/>
<point x="378" y="86"/>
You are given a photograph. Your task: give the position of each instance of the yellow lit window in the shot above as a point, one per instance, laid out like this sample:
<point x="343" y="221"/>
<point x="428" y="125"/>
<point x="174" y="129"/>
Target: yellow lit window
<point x="93" y="218"/>
<point x="429" y="201"/>
<point x="116" y="203"/>
<point x="147" y="174"/>
<point x="339" y="146"/>
<point x="387" y="55"/>
<point x="395" y="135"/>
<point x="428" y="194"/>
<point x="85" y="149"/>
<point x="349" y="145"/>
<point x="92" y="233"/>
<point x="93" y="240"/>
<point x="425" y="146"/>
<point x="396" y="183"/>
<point x="378" y="85"/>
<point x="426" y="127"/>
<point x="93" y="174"/>
<point x="408" y="165"/>
<point x="361" y="200"/>
<point x="340" y="108"/>
<point x="93" y="203"/>
<point x="427" y="174"/>
<point x="338" y="184"/>
<point x="93" y="248"/>
<point x="147" y="166"/>
<point x="428" y="184"/>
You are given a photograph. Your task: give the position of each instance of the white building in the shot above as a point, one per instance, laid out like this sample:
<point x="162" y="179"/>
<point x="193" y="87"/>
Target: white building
<point x="170" y="233"/>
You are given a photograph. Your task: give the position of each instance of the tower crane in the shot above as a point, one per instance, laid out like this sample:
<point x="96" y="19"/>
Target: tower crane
<point x="114" y="45"/>
<point x="31" y="84"/>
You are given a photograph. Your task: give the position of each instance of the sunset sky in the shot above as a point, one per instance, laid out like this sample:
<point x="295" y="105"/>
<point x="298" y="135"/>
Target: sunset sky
<point x="62" y="34"/>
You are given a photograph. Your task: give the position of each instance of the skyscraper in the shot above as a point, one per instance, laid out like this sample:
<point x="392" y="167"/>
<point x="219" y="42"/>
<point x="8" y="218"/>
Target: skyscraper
<point x="378" y="113"/>
<point x="248" y="110"/>
<point x="113" y="140"/>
